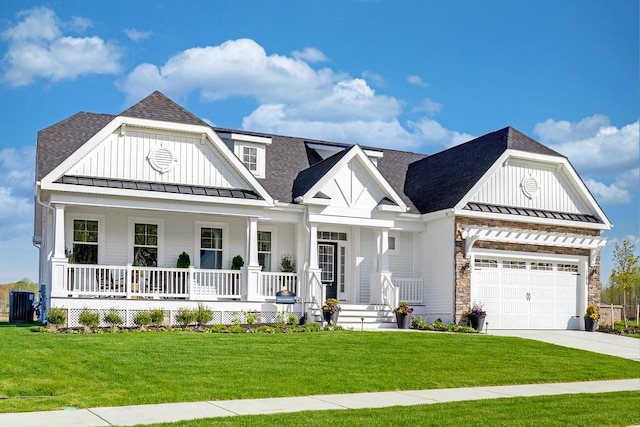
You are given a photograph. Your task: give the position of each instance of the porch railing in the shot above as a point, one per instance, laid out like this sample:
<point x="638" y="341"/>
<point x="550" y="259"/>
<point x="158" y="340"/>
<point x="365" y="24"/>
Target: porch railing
<point x="410" y="289"/>
<point x="83" y="280"/>
<point x="272" y="282"/>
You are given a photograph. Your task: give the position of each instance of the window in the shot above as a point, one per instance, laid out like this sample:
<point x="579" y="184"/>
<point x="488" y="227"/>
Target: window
<point x="485" y="263"/>
<point x="542" y="266"/>
<point x="392" y="243"/>
<point x="343" y="264"/>
<point x="326" y="262"/>
<point x="514" y="265"/>
<point x="145" y="245"/>
<point x="250" y="158"/>
<point x="85" y="241"/>
<point x="569" y="268"/>
<point x="264" y="250"/>
<point x="331" y="235"/>
<point x="211" y="248"/>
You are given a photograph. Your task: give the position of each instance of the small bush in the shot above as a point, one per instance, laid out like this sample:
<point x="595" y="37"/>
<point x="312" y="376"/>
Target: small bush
<point x="112" y="318"/>
<point x="309" y="327"/>
<point x="251" y="318"/>
<point x="142" y="319"/>
<point x="235" y="329"/>
<point x="157" y="317"/>
<point x="185" y="317"/>
<point x="56" y="317"/>
<point x="217" y="328"/>
<point x="89" y="319"/>
<point x="203" y="315"/>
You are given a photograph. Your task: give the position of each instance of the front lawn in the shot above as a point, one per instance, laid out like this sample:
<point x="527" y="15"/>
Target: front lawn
<point x="603" y="409"/>
<point x="50" y="371"/>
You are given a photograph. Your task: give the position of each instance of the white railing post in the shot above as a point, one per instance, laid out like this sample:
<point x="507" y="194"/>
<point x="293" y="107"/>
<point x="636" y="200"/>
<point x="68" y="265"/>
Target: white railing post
<point x="128" y="280"/>
<point x="191" y="280"/>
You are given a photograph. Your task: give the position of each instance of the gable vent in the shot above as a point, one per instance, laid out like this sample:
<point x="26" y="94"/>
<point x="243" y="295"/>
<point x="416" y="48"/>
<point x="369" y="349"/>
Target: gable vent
<point x="530" y="187"/>
<point x="162" y="159"/>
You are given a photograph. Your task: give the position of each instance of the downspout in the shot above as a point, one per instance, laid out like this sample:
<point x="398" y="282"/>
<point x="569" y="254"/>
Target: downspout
<point x="43" y="308"/>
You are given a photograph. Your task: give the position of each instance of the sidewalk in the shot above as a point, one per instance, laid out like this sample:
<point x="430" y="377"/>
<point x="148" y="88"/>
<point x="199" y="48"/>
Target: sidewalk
<point x="172" y="412"/>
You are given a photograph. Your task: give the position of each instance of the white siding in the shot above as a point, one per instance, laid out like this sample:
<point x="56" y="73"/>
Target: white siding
<point x="555" y="191"/>
<point x="438" y="262"/>
<point x="126" y="157"/>
<point x="353" y="187"/>
<point x="400" y="259"/>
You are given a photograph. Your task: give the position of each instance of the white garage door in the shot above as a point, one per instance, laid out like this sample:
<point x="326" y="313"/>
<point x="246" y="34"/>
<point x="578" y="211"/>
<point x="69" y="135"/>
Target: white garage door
<point x="526" y="294"/>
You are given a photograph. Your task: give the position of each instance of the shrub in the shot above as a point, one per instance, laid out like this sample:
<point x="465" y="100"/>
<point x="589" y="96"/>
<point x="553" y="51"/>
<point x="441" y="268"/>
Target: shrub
<point x="203" y="315"/>
<point x="185" y="317"/>
<point x="309" y="327"/>
<point x="142" y="319"/>
<point x="217" y="328"/>
<point x="235" y="329"/>
<point x="89" y="319"/>
<point x="157" y="317"/>
<point x="112" y="318"/>
<point x="56" y="317"/>
<point x="251" y="318"/>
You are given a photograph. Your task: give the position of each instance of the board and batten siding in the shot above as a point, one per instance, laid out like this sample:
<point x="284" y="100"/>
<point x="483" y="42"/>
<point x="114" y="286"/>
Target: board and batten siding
<point x="438" y="262"/>
<point x="555" y="192"/>
<point x="126" y="157"/>
<point x="355" y="188"/>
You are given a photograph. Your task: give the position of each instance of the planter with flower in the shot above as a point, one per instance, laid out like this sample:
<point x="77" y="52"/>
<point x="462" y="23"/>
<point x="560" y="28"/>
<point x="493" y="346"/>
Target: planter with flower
<point x="330" y="311"/>
<point x="591" y="318"/>
<point x="403" y="315"/>
<point x="476" y="316"/>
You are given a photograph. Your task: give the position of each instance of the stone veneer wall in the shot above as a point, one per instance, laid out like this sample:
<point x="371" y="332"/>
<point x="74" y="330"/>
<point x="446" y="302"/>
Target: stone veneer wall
<point x="463" y="267"/>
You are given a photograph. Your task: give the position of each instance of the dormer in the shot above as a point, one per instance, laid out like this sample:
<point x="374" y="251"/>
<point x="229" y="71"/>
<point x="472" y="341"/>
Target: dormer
<point x="250" y="149"/>
<point x="326" y="150"/>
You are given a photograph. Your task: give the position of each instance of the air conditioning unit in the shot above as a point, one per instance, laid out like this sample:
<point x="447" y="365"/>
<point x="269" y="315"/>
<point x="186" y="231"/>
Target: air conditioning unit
<point x="21" y="306"/>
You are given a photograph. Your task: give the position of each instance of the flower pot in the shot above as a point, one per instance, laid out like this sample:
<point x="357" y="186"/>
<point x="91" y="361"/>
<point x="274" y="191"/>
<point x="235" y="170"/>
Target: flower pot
<point x="403" y="320"/>
<point x="331" y="318"/>
<point x="590" y="325"/>
<point x="477" y="321"/>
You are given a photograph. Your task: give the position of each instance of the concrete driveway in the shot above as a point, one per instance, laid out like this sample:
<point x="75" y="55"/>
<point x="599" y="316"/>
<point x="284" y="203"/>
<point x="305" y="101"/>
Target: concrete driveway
<point x="610" y="344"/>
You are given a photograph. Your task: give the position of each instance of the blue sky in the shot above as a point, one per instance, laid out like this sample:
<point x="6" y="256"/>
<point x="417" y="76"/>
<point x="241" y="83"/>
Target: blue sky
<point x="418" y="75"/>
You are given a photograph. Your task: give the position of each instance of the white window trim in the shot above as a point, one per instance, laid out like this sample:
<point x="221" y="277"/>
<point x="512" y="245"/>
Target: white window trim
<point x="225" y="242"/>
<point x="68" y="231"/>
<point x="132" y="221"/>
<point x="275" y="255"/>
<point x="261" y="151"/>
<point x="396" y="249"/>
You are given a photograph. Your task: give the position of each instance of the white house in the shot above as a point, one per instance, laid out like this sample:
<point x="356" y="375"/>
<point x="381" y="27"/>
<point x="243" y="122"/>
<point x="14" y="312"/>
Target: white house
<point x="501" y="220"/>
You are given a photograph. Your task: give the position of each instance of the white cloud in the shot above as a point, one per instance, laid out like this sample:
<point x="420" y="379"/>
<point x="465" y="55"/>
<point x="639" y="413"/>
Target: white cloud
<point x="309" y="54"/>
<point x="435" y="134"/>
<point x="136" y="35"/>
<point x="80" y="24"/>
<point x="429" y="106"/>
<point x="416" y="80"/>
<point x="38" y="49"/>
<point x="605" y="155"/>
<point x="16" y="192"/>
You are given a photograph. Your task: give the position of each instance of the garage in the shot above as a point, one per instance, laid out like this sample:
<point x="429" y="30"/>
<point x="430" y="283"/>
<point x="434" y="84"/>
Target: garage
<point x="521" y="293"/>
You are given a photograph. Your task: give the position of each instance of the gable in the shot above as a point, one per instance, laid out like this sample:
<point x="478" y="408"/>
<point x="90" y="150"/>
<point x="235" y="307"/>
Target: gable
<point x="152" y="155"/>
<point x="531" y="185"/>
<point x="352" y="187"/>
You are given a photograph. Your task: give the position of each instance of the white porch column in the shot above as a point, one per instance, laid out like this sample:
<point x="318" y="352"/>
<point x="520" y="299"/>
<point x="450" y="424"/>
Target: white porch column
<point x="252" y="269"/>
<point x="381" y="293"/>
<point x="316" y="289"/>
<point x="59" y="260"/>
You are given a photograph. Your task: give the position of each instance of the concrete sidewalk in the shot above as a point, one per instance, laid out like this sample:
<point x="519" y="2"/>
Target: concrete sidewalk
<point x="172" y="412"/>
<point x="597" y="342"/>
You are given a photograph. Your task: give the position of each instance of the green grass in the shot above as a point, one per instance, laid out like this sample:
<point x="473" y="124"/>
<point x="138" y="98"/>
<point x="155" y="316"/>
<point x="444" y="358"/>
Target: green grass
<point x="46" y="371"/>
<point x="605" y="409"/>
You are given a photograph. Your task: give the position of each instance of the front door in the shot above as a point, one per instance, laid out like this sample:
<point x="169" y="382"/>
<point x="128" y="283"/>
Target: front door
<point x="327" y="262"/>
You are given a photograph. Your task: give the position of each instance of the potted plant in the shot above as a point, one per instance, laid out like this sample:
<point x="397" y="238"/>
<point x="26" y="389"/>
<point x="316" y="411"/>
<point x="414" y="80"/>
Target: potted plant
<point x="476" y="316"/>
<point x="330" y="311"/>
<point x="591" y="318"/>
<point x="287" y="264"/>
<point x="236" y="264"/>
<point x="403" y="315"/>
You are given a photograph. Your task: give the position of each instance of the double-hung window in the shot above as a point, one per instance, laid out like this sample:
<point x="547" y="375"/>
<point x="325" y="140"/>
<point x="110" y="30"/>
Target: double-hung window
<point x="85" y="241"/>
<point x="145" y="245"/>
<point x="250" y="158"/>
<point x="211" y="248"/>
<point x="264" y="250"/>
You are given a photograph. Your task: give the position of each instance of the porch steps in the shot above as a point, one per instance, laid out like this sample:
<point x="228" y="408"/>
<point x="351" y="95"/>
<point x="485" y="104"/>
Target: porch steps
<point x="364" y="316"/>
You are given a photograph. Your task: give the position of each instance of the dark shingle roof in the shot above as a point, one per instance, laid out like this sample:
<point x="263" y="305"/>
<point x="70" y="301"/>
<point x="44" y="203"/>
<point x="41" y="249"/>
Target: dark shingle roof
<point x="441" y="180"/>
<point x="308" y="177"/>
<point x="158" y="107"/>
<point x="539" y="213"/>
<point x="59" y="141"/>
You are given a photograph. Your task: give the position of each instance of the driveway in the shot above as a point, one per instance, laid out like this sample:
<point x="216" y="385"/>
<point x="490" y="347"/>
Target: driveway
<point x="610" y="344"/>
